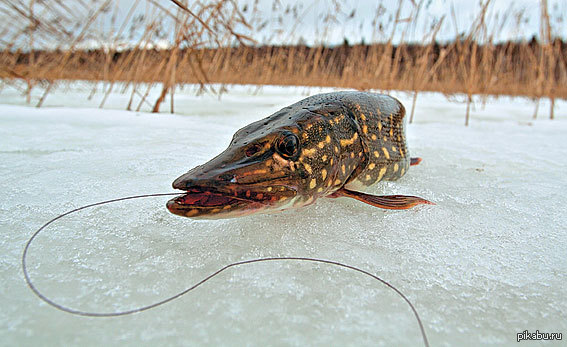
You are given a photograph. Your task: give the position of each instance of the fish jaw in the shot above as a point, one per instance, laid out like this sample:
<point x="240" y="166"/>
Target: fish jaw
<point x="233" y="201"/>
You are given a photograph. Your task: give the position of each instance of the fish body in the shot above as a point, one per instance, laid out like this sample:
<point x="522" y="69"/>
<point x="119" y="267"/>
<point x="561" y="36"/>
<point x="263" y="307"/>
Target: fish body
<point x="327" y="145"/>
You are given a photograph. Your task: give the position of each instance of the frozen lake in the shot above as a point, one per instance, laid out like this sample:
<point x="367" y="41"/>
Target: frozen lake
<point x="485" y="263"/>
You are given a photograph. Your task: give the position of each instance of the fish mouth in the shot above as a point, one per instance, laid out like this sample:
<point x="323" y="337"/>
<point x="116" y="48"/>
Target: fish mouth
<point x="213" y="203"/>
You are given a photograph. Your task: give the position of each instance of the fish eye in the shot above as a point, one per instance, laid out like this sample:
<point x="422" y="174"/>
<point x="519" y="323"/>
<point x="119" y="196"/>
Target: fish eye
<point x="288" y="145"/>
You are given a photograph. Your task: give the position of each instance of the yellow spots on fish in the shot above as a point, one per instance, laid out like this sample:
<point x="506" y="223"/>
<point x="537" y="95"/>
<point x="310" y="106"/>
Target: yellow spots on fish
<point x="247" y="193"/>
<point x="352" y="154"/>
<point x="283" y="198"/>
<point x="350" y="141"/>
<point x="308" y="126"/>
<point x="374" y="138"/>
<point x="394" y="149"/>
<point x="376" y="154"/>
<point x="363" y="117"/>
<point x="339" y="118"/>
<point x="308" y="152"/>
<point x="323" y="174"/>
<point x="328" y="139"/>
<point x="215" y="210"/>
<point x="226" y="207"/>
<point x="396" y="167"/>
<point x="337" y="182"/>
<point x="365" y="129"/>
<point x="379" y="126"/>
<point x="268" y="162"/>
<point x="343" y="169"/>
<point x="319" y="190"/>
<point x="331" y="161"/>
<point x="321" y="144"/>
<point x="368" y="178"/>
<point x="295" y="131"/>
<point x="378" y="111"/>
<point x="402" y="153"/>
<point x="329" y="183"/>
<point x="336" y="149"/>
<point x="192" y="212"/>
<point x="371" y="166"/>
<point x="279" y="161"/>
<point x="313" y="183"/>
<point x="266" y="146"/>
<point x="403" y="171"/>
<point x="391" y="132"/>
<point x="269" y="189"/>
<point x="324" y="157"/>
<point x="305" y="136"/>
<point x="308" y="168"/>
<point x="386" y="153"/>
<point x="381" y="173"/>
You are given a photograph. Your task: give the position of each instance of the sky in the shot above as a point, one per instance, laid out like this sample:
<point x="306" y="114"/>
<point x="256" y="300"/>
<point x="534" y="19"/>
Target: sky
<point x="368" y="15"/>
<point x="327" y="22"/>
<point x="324" y="22"/>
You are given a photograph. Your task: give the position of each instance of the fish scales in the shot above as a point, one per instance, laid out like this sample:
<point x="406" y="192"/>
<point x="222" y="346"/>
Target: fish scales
<point x="341" y="115"/>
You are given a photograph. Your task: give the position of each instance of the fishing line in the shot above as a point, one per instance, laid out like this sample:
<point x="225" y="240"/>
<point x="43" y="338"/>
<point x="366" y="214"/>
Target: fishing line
<point x="185" y="291"/>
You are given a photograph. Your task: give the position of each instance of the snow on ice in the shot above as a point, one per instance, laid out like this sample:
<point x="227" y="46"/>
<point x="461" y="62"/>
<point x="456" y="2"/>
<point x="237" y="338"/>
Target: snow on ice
<point x="485" y="263"/>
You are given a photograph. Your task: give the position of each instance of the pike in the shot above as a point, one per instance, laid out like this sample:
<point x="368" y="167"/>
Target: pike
<point x="327" y="145"/>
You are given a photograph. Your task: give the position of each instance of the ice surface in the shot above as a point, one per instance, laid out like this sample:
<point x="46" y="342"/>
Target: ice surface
<point x="488" y="261"/>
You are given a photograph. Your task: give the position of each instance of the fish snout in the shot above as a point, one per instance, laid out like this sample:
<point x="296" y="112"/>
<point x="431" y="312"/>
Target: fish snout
<point x="202" y="179"/>
<point x="183" y="182"/>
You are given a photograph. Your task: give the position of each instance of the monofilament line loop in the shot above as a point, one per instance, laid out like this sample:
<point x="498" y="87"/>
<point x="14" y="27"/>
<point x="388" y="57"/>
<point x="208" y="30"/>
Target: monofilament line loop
<point x="166" y="300"/>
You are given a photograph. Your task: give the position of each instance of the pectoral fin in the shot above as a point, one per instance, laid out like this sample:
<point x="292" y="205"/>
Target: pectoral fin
<point x="415" y="161"/>
<point x="390" y="202"/>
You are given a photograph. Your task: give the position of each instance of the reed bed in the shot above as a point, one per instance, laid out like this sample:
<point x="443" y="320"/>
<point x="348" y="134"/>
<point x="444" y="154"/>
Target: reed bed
<point x="207" y="47"/>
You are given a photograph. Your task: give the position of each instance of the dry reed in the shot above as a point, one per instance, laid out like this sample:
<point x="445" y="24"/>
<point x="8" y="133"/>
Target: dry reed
<point x="207" y="47"/>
